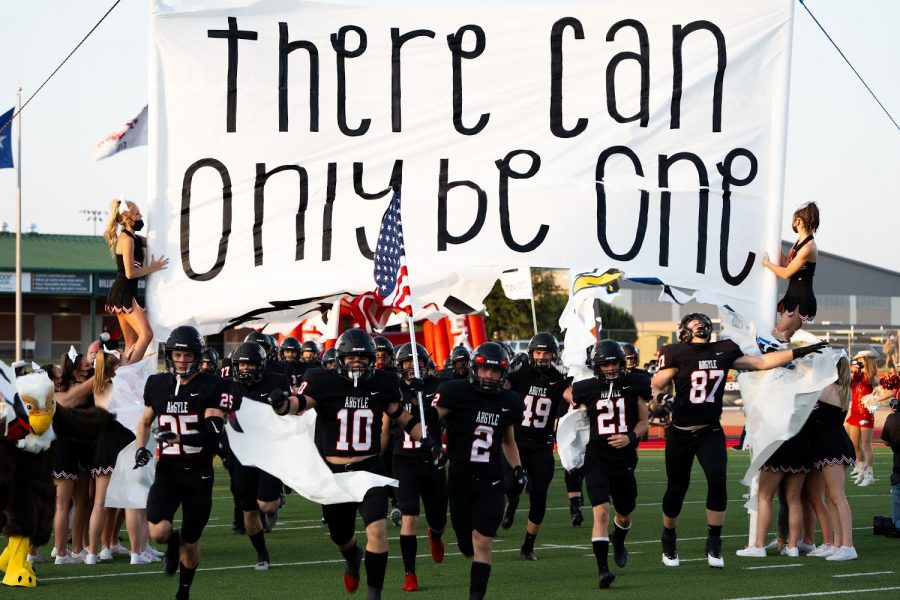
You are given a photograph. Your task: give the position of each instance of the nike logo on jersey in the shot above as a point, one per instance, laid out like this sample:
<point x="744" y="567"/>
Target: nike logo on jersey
<point x="195" y="394"/>
<point x="204" y="477"/>
<point x="719" y="353"/>
<point x="495" y="482"/>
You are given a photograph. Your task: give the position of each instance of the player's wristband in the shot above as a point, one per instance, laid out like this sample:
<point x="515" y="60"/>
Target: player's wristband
<point x="632" y="437"/>
<point x="301" y="403"/>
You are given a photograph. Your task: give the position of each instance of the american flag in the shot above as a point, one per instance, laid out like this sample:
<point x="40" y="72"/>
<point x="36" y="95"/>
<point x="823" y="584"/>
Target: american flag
<point x="390" y="274"/>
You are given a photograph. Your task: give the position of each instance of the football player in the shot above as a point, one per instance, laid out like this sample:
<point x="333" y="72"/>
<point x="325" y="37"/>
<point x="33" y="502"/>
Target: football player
<point x="459" y="364"/>
<point x="209" y="361"/>
<point x="698" y="367"/>
<point x="258" y="494"/>
<point x="328" y="359"/>
<point x="309" y="354"/>
<point x="480" y="416"/>
<point x="414" y="468"/>
<point x="349" y="403"/>
<point x="290" y="358"/>
<point x="543" y="388"/>
<point x="190" y="408"/>
<point x="633" y="359"/>
<point x="384" y="354"/>
<point x="616" y="404"/>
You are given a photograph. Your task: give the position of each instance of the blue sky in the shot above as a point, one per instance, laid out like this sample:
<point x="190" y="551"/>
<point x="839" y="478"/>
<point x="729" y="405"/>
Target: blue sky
<point x="843" y="151"/>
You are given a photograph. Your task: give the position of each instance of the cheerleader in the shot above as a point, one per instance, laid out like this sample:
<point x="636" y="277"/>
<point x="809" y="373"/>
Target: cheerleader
<point x="861" y="422"/>
<point x="121" y="301"/>
<point x="798" y="306"/>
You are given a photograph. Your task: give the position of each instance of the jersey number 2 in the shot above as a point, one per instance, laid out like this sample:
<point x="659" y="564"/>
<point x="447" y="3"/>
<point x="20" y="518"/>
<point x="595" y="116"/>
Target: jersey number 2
<point x="482" y="440"/>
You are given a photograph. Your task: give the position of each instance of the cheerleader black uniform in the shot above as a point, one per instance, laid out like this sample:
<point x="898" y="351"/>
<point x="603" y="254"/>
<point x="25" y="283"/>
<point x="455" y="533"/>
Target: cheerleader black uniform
<point x="124" y="290"/>
<point x="115" y="437"/>
<point x="830" y="443"/>
<point x="796" y="454"/>
<point x="72" y="459"/>
<point x="799" y="297"/>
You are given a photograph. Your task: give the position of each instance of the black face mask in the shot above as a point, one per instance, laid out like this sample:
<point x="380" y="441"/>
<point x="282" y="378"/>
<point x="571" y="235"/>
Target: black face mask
<point x="138" y="225"/>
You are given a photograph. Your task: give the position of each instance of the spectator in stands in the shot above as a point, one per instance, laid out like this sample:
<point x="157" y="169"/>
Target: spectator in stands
<point x="890" y="352"/>
<point x="128" y="248"/>
<point x="798" y="306"/>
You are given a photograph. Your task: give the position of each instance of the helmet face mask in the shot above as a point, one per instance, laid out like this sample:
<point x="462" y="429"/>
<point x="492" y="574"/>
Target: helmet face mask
<point x="695" y="325"/>
<point x="183" y="339"/>
<point x="404" y="360"/>
<point x="384" y="353"/>
<point x="328" y="359"/>
<point x="489" y="368"/>
<point x="608" y="360"/>
<point x="209" y="360"/>
<point x="290" y="350"/>
<point x="309" y="352"/>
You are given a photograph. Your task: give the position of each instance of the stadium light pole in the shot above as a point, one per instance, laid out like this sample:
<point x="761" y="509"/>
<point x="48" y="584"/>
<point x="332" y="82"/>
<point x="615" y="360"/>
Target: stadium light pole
<point x="93" y="216"/>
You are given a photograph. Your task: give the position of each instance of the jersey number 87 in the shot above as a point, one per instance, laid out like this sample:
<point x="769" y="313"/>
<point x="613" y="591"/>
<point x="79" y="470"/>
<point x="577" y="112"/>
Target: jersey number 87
<point x="704" y="384"/>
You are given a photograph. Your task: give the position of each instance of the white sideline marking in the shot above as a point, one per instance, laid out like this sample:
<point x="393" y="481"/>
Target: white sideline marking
<point x="829" y="593"/>
<point x="773" y="567"/>
<point x="861" y="574"/>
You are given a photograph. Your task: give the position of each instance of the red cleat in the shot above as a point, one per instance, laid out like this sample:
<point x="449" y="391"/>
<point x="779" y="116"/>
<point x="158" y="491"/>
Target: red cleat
<point x="351" y="582"/>
<point x="437" y="548"/>
<point x="411" y="584"/>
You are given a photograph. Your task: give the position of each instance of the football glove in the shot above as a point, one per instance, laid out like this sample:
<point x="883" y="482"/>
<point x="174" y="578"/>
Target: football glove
<point x="142" y="457"/>
<point x="811" y="349"/>
<point x="416" y="384"/>
<point x="521" y="482"/>
<point x="277" y="400"/>
<point x="438" y="456"/>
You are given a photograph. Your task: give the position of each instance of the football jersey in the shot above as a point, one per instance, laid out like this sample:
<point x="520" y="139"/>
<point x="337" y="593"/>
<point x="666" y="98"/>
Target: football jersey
<point x="541" y="395"/>
<point x="700" y="380"/>
<point x="258" y="391"/>
<point x="349" y="418"/>
<point x="475" y="425"/>
<point x="612" y="408"/>
<point x="185" y="411"/>
<point x="225" y="369"/>
<point x="403" y="443"/>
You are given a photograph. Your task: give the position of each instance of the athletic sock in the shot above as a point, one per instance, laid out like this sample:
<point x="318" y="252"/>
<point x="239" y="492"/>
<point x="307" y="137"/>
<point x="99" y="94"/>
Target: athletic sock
<point x="601" y="553"/>
<point x="619" y="532"/>
<point x="478" y="580"/>
<point x="258" y="540"/>
<point x="376" y="565"/>
<point x="528" y="544"/>
<point x="350" y="554"/>
<point x="185" y="579"/>
<point x="408" y="547"/>
<point x="714" y="531"/>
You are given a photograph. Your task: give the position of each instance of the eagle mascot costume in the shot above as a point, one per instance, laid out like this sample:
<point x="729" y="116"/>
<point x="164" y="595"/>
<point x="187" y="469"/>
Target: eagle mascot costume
<point x="30" y="420"/>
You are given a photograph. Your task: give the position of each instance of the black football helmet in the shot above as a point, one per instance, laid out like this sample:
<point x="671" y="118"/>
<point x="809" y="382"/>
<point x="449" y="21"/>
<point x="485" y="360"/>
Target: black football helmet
<point x="262" y="339"/>
<point x="328" y="359"/>
<point x="459" y="361"/>
<point x="272" y="353"/>
<point x="543" y="341"/>
<point x="290" y="350"/>
<point x="309" y="352"/>
<point x="703" y="331"/>
<point x="608" y="352"/>
<point x="384" y="352"/>
<point x="489" y="354"/>
<point x="404" y="354"/>
<point x="186" y="339"/>
<point x="248" y="353"/>
<point x="209" y="360"/>
<point x="632" y="356"/>
<point x="354" y="342"/>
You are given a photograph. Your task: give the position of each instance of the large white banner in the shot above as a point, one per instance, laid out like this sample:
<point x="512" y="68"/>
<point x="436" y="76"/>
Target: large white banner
<point x="643" y="135"/>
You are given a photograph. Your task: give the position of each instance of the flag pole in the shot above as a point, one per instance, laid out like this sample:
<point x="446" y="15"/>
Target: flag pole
<point x="19" y="224"/>
<point x="415" y="357"/>
<point x="533" y="312"/>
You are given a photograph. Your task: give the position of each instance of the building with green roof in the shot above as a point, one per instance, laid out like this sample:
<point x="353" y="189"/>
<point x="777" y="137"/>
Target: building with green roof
<point x="65" y="279"/>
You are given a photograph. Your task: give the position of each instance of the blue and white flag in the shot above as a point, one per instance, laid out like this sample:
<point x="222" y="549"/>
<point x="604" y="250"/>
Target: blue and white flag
<point x="6" y="158"/>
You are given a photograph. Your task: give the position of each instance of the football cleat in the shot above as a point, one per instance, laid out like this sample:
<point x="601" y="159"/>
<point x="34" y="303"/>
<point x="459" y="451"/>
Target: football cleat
<point x="606" y="579"/>
<point x="351" y="572"/>
<point x="173" y="550"/>
<point x="437" y="547"/>
<point x="527" y="556"/>
<point x="670" y="554"/>
<point x="575" y="512"/>
<point x="620" y="554"/>
<point x="269" y="520"/>
<point x="396" y="516"/>
<point x="411" y="584"/>
<point x="262" y="565"/>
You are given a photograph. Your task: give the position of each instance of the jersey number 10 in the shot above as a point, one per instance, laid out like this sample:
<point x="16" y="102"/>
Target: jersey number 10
<point x="360" y="429"/>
